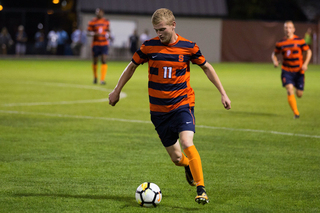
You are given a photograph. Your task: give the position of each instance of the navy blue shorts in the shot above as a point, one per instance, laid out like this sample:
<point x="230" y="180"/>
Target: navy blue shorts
<point x="100" y="50"/>
<point x="171" y="124"/>
<point x="295" y="78"/>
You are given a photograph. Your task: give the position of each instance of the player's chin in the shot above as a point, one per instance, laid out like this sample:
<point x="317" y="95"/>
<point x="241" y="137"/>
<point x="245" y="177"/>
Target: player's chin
<point x="163" y="40"/>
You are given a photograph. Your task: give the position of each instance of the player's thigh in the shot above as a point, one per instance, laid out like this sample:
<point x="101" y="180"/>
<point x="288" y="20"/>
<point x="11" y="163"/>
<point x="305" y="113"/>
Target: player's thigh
<point x="287" y="78"/>
<point x="299" y="84"/>
<point x="165" y="130"/>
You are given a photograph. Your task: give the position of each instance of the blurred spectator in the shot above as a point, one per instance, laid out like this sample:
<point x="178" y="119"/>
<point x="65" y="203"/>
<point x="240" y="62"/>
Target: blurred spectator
<point x="78" y="38"/>
<point x="39" y="45"/>
<point x="133" y="41"/>
<point x="144" y="36"/>
<point x="308" y="37"/>
<point x="5" y="41"/>
<point x="21" y="40"/>
<point x="62" y="41"/>
<point x="52" y="41"/>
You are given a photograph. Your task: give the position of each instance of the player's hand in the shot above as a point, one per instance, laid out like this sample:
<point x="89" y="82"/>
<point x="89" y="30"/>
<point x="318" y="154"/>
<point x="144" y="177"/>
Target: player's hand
<point x="304" y="67"/>
<point x="276" y="64"/>
<point x="114" y="98"/>
<point x="226" y="102"/>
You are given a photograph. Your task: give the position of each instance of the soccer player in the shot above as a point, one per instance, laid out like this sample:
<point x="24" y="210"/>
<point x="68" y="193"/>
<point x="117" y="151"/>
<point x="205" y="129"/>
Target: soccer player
<point x="170" y="94"/>
<point x="99" y="29"/>
<point x="293" y="67"/>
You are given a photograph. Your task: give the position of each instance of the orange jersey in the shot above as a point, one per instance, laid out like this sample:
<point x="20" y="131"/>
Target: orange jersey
<point x="100" y="26"/>
<point x="169" y="72"/>
<point x="291" y="50"/>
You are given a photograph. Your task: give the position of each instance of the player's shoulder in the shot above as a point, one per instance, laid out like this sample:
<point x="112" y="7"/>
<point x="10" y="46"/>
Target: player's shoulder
<point x="298" y="39"/>
<point x="93" y="20"/>
<point x="153" y="42"/>
<point x="281" y="40"/>
<point x="295" y="37"/>
<point x="104" y="20"/>
<point x="183" y="42"/>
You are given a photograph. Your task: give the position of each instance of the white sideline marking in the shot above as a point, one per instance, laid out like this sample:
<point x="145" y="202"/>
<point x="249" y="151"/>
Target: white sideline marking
<point x="57" y="103"/>
<point x="260" y="131"/>
<point x="149" y="122"/>
<point x="122" y="94"/>
<point x="68" y="85"/>
<point x="75" y="116"/>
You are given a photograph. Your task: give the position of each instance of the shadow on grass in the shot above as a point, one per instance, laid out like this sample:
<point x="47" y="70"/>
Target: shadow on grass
<point x="129" y="200"/>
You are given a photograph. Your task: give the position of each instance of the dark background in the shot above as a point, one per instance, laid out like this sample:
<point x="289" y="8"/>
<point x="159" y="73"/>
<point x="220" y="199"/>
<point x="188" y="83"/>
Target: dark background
<point x="30" y="13"/>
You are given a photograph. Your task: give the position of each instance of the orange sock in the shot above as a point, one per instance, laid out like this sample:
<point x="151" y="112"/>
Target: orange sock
<point x="184" y="161"/>
<point x="104" y="68"/>
<point x="293" y="104"/>
<point x="195" y="164"/>
<point x="94" y="68"/>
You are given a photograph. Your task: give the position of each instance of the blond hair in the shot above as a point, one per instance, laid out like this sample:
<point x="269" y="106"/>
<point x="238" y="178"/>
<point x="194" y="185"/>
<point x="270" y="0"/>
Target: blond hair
<point x="162" y="14"/>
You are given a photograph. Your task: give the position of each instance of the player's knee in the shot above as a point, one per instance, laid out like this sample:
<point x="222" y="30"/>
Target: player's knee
<point x="176" y="159"/>
<point x="290" y="92"/>
<point x="299" y="93"/>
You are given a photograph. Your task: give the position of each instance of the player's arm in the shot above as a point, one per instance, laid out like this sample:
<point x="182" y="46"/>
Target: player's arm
<point x="91" y="32"/>
<point x="307" y="60"/>
<point x="213" y="77"/>
<point x="274" y="59"/>
<point x="114" y="96"/>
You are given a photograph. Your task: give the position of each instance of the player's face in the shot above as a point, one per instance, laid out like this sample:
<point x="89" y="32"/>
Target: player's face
<point x="165" y="32"/>
<point x="289" y="29"/>
<point x="99" y="13"/>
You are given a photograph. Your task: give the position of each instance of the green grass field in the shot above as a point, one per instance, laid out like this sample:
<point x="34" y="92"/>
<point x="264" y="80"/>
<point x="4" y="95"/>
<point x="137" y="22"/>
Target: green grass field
<point x="64" y="149"/>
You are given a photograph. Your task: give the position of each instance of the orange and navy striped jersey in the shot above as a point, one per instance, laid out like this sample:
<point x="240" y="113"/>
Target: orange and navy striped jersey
<point x="291" y="50"/>
<point x="169" y="72"/>
<point x="100" y="26"/>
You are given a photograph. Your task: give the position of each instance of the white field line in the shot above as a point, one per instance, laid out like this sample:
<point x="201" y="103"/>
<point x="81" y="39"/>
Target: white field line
<point x="57" y="103"/>
<point x="79" y="86"/>
<point x="75" y="116"/>
<point x="148" y="122"/>
<point x="260" y="131"/>
<point x="122" y="94"/>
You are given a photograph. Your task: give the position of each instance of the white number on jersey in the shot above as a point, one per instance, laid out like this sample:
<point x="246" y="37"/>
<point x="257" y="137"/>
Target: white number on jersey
<point x="167" y="72"/>
<point x="288" y="53"/>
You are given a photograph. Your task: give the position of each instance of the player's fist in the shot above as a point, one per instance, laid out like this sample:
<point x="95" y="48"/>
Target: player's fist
<point x="113" y="98"/>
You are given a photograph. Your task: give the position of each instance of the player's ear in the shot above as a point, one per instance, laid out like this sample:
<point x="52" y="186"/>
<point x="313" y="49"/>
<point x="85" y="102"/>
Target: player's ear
<point x="174" y="24"/>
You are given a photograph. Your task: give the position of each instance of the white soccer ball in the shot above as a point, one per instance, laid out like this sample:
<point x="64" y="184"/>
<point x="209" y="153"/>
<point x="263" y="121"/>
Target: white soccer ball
<point x="148" y="194"/>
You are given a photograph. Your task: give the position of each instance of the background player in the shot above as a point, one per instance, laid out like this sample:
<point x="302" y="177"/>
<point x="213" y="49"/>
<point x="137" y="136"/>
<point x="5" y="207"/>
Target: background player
<point x="170" y="95"/>
<point x="99" y="29"/>
<point x="293" y="66"/>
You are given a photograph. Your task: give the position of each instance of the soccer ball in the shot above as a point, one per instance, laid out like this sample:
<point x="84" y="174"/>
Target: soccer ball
<point x="148" y="194"/>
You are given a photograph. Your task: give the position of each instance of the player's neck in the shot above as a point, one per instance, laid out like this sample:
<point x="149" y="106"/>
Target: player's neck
<point x="290" y="36"/>
<point x="174" y="38"/>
